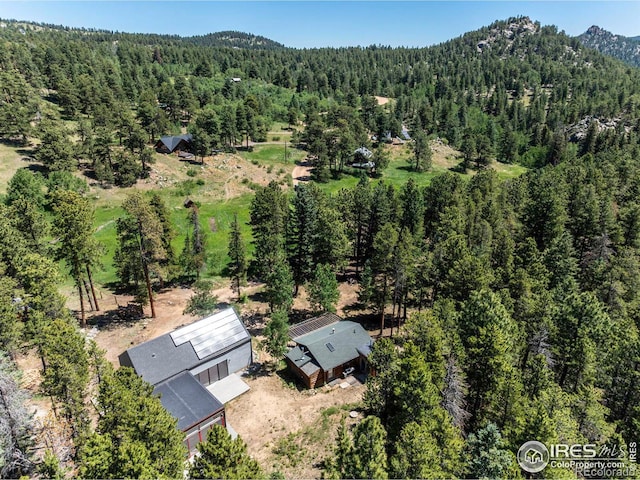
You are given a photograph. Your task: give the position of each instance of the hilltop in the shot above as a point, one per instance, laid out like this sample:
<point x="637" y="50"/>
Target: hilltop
<point x="626" y="49"/>
<point x="233" y="39"/>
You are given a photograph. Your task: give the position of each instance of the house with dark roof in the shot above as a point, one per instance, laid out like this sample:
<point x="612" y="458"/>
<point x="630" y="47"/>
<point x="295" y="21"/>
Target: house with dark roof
<point x="363" y="152"/>
<point x="170" y="144"/>
<point x="182" y="363"/>
<point x="327" y="347"/>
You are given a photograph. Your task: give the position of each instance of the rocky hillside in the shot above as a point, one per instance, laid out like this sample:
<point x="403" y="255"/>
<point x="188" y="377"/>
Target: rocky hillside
<point x="626" y="49"/>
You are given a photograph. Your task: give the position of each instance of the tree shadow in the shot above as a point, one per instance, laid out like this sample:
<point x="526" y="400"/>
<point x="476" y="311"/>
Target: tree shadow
<point x="192" y="161"/>
<point x="13" y="142"/>
<point x="459" y="168"/>
<point x="37" y="168"/>
<point x="123" y="316"/>
<point x="290" y="379"/>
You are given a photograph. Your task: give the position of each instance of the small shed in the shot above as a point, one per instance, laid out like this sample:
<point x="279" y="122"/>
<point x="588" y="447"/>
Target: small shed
<point x="170" y="144"/>
<point x="326" y="348"/>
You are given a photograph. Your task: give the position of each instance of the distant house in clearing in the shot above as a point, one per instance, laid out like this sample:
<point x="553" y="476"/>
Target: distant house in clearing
<point x="363" y="152"/>
<point x="405" y="134"/>
<point x="170" y="144"/>
<point x="326" y="348"/>
<point x="183" y="363"/>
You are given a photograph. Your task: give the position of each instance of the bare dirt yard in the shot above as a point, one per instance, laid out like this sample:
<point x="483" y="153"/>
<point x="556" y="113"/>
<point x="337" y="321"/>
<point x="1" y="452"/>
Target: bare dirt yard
<point x="382" y="100"/>
<point x="288" y="429"/>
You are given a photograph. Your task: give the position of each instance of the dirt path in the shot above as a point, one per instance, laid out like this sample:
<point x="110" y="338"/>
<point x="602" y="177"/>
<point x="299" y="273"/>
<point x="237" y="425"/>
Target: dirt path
<point x="301" y="173"/>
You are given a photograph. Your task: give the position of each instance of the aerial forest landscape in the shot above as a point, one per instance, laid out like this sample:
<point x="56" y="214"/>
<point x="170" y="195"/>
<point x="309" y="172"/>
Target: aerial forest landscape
<point x="223" y="256"/>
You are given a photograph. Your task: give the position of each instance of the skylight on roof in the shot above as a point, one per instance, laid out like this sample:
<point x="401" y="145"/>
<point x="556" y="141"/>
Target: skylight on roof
<point x="330" y="347"/>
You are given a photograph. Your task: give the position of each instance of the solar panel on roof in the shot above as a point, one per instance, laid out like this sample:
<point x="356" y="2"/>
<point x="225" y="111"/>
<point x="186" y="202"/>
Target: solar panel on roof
<point x="312" y="324"/>
<point x="211" y="334"/>
<point x="330" y="347"/>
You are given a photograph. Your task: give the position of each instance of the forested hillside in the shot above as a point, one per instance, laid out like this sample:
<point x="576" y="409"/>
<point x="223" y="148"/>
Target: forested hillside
<point x="508" y="308"/>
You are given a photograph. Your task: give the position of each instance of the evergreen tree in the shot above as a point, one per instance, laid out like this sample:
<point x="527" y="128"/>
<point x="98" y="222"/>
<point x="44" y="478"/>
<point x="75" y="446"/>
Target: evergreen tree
<point x="487" y="457"/>
<point x="302" y="232"/>
<point x="279" y="286"/>
<point x="238" y="264"/>
<point x="141" y="247"/>
<point x="202" y="302"/>
<point x="66" y="374"/>
<point x="421" y="152"/>
<point x="56" y="150"/>
<point x="276" y="333"/>
<point x="323" y="289"/>
<point x="488" y="333"/>
<point x="135" y="436"/>
<point x="10" y="325"/>
<point x="340" y="465"/>
<point x="222" y="457"/>
<point x="269" y="215"/>
<point x="193" y="255"/>
<point x="369" y="454"/>
<point x="73" y="223"/>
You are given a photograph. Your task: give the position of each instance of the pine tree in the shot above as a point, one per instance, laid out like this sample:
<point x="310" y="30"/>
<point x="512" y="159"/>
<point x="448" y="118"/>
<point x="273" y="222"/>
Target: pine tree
<point x="202" y="302"/>
<point x="487" y="457"/>
<point x="73" y="223"/>
<point x="431" y="449"/>
<point x="340" y="465"/>
<point x="369" y="454"/>
<point x="141" y="251"/>
<point x="238" y="264"/>
<point x="135" y="436"/>
<point x="269" y="215"/>
<point x="193" y="255"/>
<point x="10" y="325"/>
<point x="421" y="152"/>
<point x="279" y="286"/>
<point x="161" y="212"/>
<point x="323" y="289"/>
<point x="489" y="334"/>
<point x="276" y="333"/>
<point x="55" y="151"/>
<point x="66" y="374"/>
<point x="222" y="457"/>
<point x="302" y="232"/>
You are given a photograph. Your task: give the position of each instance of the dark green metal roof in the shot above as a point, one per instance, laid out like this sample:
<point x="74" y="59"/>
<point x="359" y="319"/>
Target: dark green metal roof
<point x="332" y="345"/>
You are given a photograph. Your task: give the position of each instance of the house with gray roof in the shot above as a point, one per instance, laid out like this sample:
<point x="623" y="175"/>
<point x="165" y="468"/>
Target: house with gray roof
<point x="170" y="144"/>
<point x="182" y="363"/>
<point x="326" y="348"/>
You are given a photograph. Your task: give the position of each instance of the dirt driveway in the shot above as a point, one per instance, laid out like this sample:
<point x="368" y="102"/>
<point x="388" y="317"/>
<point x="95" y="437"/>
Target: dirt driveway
<point x="301" y="172"/>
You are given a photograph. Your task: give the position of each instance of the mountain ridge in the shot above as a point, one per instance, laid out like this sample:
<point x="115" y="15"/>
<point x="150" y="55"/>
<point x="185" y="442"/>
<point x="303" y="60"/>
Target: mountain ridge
<point x="225" y="38"/>
<point x="623" y="48"/>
